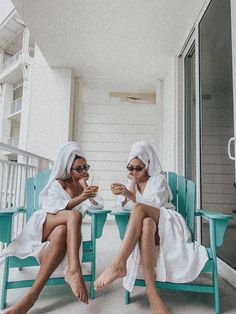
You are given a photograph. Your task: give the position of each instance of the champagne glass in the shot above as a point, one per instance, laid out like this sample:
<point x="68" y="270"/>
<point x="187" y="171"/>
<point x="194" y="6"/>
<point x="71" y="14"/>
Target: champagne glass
<point x="118" y="198"/>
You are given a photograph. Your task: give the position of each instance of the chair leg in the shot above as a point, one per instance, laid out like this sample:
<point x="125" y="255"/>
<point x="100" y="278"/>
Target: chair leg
<point x="93" y="271"/>
<point x="127" y="297"/>
<point x="216" y="292"/>
<point x="92" y="291"/>
<point x="4" y="283"/>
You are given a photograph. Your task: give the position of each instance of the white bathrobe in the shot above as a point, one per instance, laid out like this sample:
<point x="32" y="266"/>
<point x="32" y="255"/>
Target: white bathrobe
<point x="52" y="199"/>
<point x="178" y="259"/>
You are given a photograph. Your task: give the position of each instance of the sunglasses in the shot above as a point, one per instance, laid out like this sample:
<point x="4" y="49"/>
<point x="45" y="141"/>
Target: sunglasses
<point x="137" y="169"/>
<point x="79" y="169"/>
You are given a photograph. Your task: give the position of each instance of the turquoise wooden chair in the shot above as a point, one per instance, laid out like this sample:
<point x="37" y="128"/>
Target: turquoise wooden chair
<point x="184" y="198"/>
<point x="33" y="187"/>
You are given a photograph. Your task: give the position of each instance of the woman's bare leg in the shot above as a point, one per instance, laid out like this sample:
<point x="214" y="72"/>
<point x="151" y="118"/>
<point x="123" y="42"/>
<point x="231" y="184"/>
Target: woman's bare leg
<point x="147" y="251"/>
<point x="50" y="259"/>
<point x="73" y="220"/>
<point x="132" y="236"/>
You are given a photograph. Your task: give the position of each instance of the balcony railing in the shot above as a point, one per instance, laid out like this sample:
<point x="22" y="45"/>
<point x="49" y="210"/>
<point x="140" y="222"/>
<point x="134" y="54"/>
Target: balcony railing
<point x="11" y="61"/>
<point x="13" y="141"/>
<point x="13" y="177"/>
<point x="16" y="105"/>
<point x="31" y="52"/>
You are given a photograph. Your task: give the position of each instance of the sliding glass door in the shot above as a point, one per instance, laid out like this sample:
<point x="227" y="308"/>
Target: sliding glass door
<point x="217" y="120"/>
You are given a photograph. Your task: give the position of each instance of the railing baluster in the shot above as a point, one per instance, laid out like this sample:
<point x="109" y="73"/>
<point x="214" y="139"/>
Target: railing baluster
<point x="13" y="176"/>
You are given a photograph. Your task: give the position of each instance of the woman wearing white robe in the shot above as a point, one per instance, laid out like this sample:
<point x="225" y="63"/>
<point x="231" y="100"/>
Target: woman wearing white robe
<point x="156" y="235"/>
<point x="54" y="231"/>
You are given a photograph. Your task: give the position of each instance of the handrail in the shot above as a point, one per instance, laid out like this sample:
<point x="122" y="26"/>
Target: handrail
<point x="21" y="152"/>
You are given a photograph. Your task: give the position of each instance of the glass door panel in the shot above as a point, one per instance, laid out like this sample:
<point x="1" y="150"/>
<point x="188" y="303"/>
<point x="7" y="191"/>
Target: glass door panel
<point x="218" y="191"/>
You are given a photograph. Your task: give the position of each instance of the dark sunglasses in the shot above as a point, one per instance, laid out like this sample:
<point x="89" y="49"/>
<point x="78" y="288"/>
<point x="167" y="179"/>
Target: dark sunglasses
<point x="137" y="169"/>
<point x="79" y="169"/>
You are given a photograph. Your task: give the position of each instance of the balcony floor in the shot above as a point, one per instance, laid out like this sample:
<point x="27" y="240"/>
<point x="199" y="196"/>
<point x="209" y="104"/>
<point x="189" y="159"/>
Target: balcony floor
<point x="60" y="300"/>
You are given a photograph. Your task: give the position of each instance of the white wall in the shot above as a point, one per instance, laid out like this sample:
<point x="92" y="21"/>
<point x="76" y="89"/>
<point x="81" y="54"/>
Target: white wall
<point x="106" y="128"/>
<point x="169" y="119"/>
<point x="5" y="8"/>
<point x="48" y="119"/>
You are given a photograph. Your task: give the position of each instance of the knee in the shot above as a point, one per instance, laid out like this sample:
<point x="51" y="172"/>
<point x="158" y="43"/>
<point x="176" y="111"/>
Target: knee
<point x="149" y="226"/>
<point x="74" y="216"/>
<point x="59" y="235"/>
<point x="138" y="208"/>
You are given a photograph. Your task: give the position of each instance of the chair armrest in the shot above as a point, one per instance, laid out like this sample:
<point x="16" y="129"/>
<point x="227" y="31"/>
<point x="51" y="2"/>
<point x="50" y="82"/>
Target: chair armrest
<point x="6" y="215"/>
<point x="122" y="218"/>
<point x="92" y="211"/>
<point x="212" y="215"/>
<point x="218" y="223"/>
<point x="98" y="217"/>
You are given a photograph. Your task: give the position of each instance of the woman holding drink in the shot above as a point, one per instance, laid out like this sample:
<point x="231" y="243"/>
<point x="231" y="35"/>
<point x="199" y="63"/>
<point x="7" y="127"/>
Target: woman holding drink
<point x="54" y="231"/>
<point x="156" y="235"/>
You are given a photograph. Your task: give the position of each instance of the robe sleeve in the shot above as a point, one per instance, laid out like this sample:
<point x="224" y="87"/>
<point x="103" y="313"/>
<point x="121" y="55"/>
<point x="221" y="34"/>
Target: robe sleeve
<point x="57" y="200"/>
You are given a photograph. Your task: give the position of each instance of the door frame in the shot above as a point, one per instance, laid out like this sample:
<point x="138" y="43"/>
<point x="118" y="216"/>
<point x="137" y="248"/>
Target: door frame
<point x="225" y="270"/>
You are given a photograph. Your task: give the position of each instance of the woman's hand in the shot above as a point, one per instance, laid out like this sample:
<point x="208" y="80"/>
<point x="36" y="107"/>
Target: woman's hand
<point x="83" y="181"/>
<point x="89" y="192"/>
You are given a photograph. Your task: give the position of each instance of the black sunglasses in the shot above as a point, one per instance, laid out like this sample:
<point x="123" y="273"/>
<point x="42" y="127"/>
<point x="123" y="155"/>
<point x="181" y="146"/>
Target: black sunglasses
<point x="137" y="169"/>
<point x="79" y="169"/>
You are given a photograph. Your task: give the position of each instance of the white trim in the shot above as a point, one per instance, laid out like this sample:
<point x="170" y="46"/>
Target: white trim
<point x="198" y="135"/>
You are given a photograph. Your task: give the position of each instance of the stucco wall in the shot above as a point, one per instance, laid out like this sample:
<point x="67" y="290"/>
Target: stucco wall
<point x="49" y="123"/>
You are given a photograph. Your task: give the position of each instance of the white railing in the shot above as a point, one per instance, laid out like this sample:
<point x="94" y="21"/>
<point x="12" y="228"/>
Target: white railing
<point x="10" y="61"/>
<point x="16" y="105"/>
<point x="13" y="141"/>
<point x="13" y="177"/>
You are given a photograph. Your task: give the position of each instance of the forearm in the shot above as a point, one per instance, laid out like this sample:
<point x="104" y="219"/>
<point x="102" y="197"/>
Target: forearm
<point x="130" y="196"/>
<point x="74" y="202"/>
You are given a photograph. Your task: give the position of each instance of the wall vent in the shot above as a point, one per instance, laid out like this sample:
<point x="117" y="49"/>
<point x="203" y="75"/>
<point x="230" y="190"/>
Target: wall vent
<point x="141" y="98"/>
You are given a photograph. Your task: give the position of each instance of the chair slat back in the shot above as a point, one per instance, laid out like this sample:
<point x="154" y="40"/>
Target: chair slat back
<point x="184" y="198"/>
<point x="172" y="180"/>
<point x="191" y="206"/>
<point x="30" y="199"/>
<point x="34" y="186"/>
<point x="181" y="197"/>
<point x="41" y="180"/>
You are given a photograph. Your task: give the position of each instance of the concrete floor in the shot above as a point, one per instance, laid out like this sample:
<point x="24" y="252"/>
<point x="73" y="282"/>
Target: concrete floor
<point x="60" y="300"/>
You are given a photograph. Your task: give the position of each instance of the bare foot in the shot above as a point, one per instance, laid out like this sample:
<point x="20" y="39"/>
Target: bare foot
<point x="157" y="305"/>
<point x="76" y="282"/>
<point x="109" y="275"/>
<point x="23" y="306"/>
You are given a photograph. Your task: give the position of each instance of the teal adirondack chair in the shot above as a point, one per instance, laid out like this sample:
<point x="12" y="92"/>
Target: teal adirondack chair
<point x="33" y="187"/>
<point x="184" y="198"/>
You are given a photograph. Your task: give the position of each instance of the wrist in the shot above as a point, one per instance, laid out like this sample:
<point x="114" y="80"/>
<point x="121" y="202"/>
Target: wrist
<point x="127" y="194"/>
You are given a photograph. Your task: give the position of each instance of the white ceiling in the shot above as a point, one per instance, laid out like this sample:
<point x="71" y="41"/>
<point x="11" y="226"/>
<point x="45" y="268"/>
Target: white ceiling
<point x="123" y="45"/>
